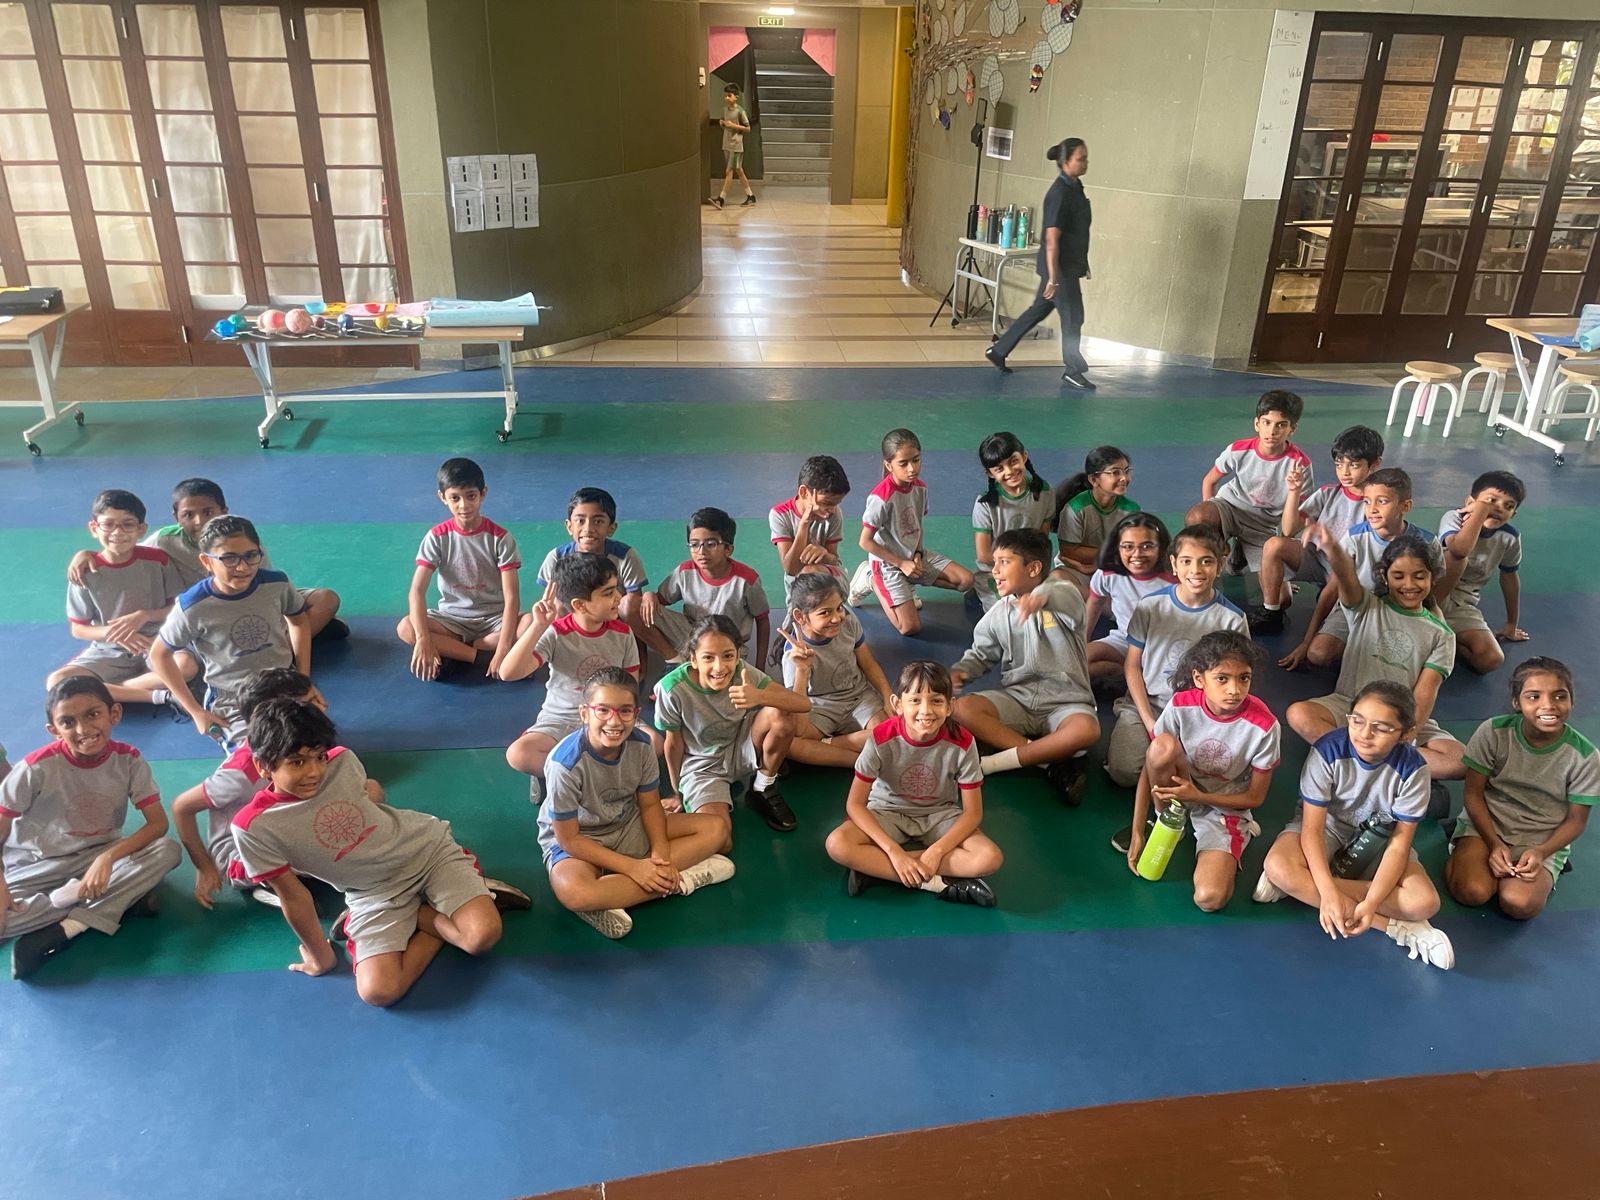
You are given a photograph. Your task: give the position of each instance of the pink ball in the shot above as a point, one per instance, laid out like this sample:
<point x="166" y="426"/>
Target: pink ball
<point x="297" y="320"/>
<point x="270" y="321"/>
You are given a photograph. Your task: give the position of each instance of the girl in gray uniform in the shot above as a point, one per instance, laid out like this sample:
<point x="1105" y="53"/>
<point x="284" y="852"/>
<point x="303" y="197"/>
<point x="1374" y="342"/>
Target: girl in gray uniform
<point x="916" y="804"/>
<point x="827" y="659"/>
<point x="1016" y="498"/>
<point x="1531" y="781"/>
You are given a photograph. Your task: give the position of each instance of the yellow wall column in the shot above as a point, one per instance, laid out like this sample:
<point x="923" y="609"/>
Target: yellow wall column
<point x="899" y="120"/>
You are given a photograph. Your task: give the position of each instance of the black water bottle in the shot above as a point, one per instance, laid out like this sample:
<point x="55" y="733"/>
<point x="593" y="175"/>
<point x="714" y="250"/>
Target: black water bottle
<point x="1360" y="857"/>
<point x="972" y="221"/>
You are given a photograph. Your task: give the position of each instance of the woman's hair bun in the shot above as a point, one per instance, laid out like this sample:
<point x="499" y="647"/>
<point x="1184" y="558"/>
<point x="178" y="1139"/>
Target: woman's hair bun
<point x="1054" y="153"/>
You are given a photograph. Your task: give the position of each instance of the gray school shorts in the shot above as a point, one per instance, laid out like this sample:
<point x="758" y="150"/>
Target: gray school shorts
<point x="385" y="924"/>
<point x="1228" y="830"/>
<point x="1555" y="864"/>
<point x="894" y="587"/>
<point x="709" y="779"/>
<point x="845" y="714"/>
<point x="111" y="664"/>
<point x="1250" y="525"/>
<point x="1339" y="708"/>
<point x="555" y="723"/>
<point x="627" y="838"/>
<point x="1462" y="615"/>
<point x="675" y="626"/>
<point x="1332" y="842"/>
<point x="1336" y="624"/>
<point x="919" y="829"/>
<point x="468" y="629"/>
<point x="1027" y="721"/>
<point x="1313" y="568"/>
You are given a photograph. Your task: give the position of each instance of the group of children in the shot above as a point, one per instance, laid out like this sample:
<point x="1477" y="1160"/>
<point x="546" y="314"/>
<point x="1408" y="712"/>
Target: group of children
<point x="743" y="695"/>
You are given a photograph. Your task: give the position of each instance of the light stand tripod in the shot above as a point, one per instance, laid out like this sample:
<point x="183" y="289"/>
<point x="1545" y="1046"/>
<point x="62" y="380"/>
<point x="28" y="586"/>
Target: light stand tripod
<point x="969" y="261"/>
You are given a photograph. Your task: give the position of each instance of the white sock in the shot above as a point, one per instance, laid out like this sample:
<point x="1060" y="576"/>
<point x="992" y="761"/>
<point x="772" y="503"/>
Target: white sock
<point x="1270" y="607"/>
<point x="73" y="928"/>
<point x="67" y="894"/>
<point x="764" y="781"/>
<point x="828" y="741"/>
<point x="936" y="884"/>
<point x="160" y="696"/>
<point x="1006" y="760"/>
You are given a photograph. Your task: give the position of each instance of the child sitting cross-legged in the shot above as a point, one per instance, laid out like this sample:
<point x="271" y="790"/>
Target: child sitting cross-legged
<point x="709" y="581"/>
<point x="827" y="659"/>
<point x="606" y="841"/>
<point x="1043" y="713"/>
<point x="409" y="885"/>
<point x="916" y="804"/>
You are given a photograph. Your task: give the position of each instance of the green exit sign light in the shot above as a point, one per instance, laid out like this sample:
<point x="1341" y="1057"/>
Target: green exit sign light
<point x="770" y="22"/>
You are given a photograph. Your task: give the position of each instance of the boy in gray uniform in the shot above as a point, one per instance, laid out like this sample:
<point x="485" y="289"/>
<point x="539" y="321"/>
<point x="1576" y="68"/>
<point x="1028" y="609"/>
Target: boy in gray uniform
<point x="119" y="606"/>
<point x="918" y="786"/>
<point x="67" y="865"/>
<point x="576" y="645"/>
<point x="1043" y="714"/>
<point x="606" y="842"/>
<point x="409" y="886"/>
<point x="1479" y="543"/>
<point x="807" y="527"/>
<point x="735" y="122"/>
<point x="477" y="562"/>
<point x="1253" y="474"/>
<point x="710" y="581"/>
<point x="241" y="621"/>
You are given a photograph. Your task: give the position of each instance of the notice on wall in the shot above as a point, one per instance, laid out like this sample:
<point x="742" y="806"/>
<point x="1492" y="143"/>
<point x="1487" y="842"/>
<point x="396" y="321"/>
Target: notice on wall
<point x="493" y="191"/>
<point x="525" y="191"/>
<point x="1273" y="135"/>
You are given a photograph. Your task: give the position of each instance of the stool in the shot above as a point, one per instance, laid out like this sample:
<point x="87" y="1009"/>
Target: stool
<point x="1575" y="375"/>
<point x="1492" y="367"/>
<point x="1428" y="378"/>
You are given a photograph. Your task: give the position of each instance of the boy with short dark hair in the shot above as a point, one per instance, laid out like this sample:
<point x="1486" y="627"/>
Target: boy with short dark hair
<point x="735" y="122"/>
<point x="119" y="606"/>
<point x="66" y="865"/>
<point x="477" y="563"/>
<point x="591" y="520"/>
<point x="807" y="527"/>
<point x="1479" y="543"/>
<point x="409" y="885"/>
<point x="228" y="789"/>
<point x="607" y="844"/>
<point x="709" y="581"/>
<point x="242" y="620"/>
<point x="1043" y="714"/>
<point x="577" y="639"/>
<point x="1357" y="452"/>
<point x="1253" y="475"/>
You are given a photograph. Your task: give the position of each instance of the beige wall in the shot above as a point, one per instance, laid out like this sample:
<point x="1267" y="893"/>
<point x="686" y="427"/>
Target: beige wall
<point x="874" y="88"/>
<point x="605" y="93"/>
<point x="1167" y="98"/>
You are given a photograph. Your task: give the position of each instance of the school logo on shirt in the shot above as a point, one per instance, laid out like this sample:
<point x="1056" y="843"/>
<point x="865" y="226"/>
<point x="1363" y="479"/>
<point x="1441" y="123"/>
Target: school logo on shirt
<point x="1213" y="757"/>
<point x="1175" y="653"/>
<point x="88" y="816"/>
<point x="908" y="523"/>
<point x="249" y="634"/>
<point x="1396" y="647"/>
<point x="919" y="782"/>
<point x="337" y="827"/>
<point x="590" y="665"/>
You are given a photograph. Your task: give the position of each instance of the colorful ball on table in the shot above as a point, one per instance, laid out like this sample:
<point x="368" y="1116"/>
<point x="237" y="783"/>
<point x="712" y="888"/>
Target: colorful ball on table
<point x="226" y="328"/>
<point x="316" y="308"/>
<point x="270" y="321"/>
<point x="346" y="322"/>
<point x="297" y="321"/>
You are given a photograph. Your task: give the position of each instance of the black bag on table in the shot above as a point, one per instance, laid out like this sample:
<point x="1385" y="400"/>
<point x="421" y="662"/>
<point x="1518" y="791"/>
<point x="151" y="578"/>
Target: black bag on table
<point x="29" y="301"/>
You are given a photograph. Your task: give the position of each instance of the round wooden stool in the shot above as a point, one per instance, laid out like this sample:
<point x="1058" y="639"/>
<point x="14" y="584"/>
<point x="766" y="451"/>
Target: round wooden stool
<point x="1427" y="378"/>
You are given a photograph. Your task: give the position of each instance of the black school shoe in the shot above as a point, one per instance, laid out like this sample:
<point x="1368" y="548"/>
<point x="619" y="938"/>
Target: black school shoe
<point x="855" y="882"/>
<point x="999" y="361"/>
<point x="1078" y="380"/>
<point x="748" y="201"/>
<point x="968" y="891"/>
<point x="1438" y="801"/>
<point x="334" y="631"/>
<point x="30" y="951"/>
<point x="506" y="897"/>
<point x="1266" y="620"/>
<point x="717" y="201"/>
<point x="772" y="808"/>
<point x="1070" y="780"/>
<point x="146" y="905"/>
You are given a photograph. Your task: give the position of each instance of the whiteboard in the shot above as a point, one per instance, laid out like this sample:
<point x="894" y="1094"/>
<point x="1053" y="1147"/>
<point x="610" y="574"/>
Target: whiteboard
<point x="1280" y="97"/>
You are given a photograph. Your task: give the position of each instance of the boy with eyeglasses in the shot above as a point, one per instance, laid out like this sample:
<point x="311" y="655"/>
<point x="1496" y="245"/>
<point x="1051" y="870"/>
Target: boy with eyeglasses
<point x="119" y="606"/>
<point x="241" y="620"/>
<point x="709" y="581"/>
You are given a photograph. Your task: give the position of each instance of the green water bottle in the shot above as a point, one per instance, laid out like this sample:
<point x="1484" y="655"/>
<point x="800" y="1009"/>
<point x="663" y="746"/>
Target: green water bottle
<point x="1163" y="840"/>
<point x="1360" y="858"/>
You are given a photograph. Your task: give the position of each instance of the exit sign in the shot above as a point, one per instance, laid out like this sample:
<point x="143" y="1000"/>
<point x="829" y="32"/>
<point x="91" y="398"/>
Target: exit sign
<point x="770" y="22"/>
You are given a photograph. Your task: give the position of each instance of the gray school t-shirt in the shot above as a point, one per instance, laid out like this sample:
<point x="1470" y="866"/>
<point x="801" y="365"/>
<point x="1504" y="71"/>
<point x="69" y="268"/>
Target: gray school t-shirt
<point x="630" y="568"/>
<point x="1499" y="551"/>
<point x="1125" y="591"/>
<point x="835" y="673"/>
<point x="185" y="554"/>
<point x="1030" y="510"/>
<point x="895" y="515"/>
<point x="1365" y="546"/>
<point x="61" y="806"/>
<point x="1043" y="660"/>
<point x="738" y="595"/>
<point x="911" y="776"/>
<point x="226" y="791"/>
<point x="1084" y="523"/>
<point x="601" y="794"/>
<point x="1387" y="642"/>
<point x="1528" y="791"/>
<point x="784" y="522"/>
<point x="733" y="139"/>
<point x="707" y="720"/>
<point x="1353" y="790"/>
<point x="1223" y="753"/>
<point x="1334" y="508"/>
<point x="338" y="836"/>
<point x="1255" y="481"/>
<point x="1164" y="628"/>
<point x="575" y="654"/>
<point x="236" y="637"/>
<point x="147" y="580"/>
<point x="470" y="567"/>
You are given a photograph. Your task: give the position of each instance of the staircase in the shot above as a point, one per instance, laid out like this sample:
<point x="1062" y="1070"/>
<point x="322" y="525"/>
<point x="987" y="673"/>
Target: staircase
<point x="796" y="107"/>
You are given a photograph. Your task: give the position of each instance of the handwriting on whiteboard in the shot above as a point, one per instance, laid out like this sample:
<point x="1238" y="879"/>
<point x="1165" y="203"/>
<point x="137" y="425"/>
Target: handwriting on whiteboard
<point x="1281" y="84"/>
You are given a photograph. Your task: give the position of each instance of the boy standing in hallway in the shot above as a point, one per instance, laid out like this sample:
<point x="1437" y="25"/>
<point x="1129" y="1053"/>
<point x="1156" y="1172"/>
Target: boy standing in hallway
<point x="735" y="124"/>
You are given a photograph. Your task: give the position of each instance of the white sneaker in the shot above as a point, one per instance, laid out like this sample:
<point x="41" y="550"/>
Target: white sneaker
<point x="1431" y="945"/>
<point x="716" y="869"/>
<point x="861" y="583"/>
<point x="613" y="922"/>
<point x="1266" y="891"/>
<point x="536" y="790"/>
<point x="916" y="602"/>
<point x="265" y="895"/>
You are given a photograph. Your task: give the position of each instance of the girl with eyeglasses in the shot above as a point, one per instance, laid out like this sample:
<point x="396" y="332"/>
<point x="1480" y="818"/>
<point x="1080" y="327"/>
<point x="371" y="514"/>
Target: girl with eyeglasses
<point x="1087" y="506"/>
<point x="1132" y="566"/>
